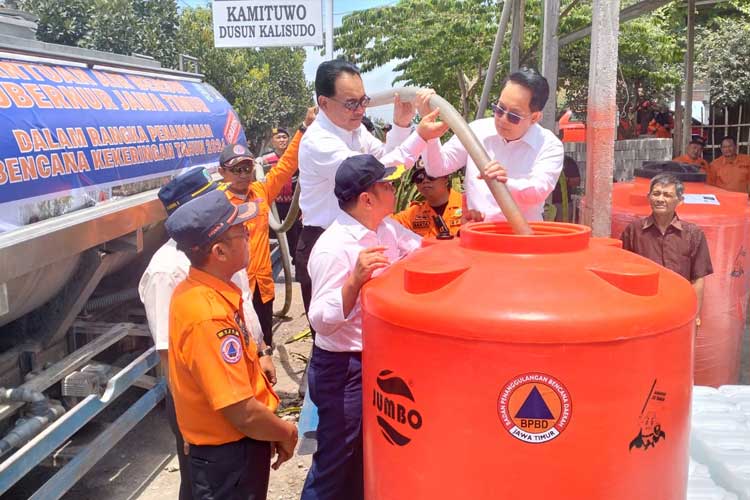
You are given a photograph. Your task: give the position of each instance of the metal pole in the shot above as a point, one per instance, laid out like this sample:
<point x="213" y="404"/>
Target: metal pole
<point x="329" y="30"/>
<point x="602" y="114"/>
<point x="550" y="59"/>
<point x="492" y="68"/>
<point x="516" y="38"/>
<point x="687" y="126"/>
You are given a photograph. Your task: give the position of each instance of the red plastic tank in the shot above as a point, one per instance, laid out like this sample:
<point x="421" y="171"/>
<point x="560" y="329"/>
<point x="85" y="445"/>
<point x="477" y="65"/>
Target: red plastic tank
<point x="499" y="366"/>
<point x="723" y="216"/>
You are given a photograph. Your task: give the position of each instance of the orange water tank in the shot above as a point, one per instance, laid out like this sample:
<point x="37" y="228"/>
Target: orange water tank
<point x="498" y="366"/>
<point x="723" y="216"/>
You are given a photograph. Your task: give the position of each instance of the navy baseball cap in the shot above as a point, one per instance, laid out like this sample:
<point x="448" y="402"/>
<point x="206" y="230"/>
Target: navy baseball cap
<point x="233" y="154"/>
<point x="185" y="187"/>
<point x="201" y="221"/>
<point x="279" y="130"/>
<point x="357" y="173"/>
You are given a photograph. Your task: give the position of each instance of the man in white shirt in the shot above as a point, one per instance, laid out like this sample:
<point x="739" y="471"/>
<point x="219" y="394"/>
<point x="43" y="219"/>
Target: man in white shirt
<point x="527" y="157"/>
<point x="362" y="240"/>
<point x="167" y="269"/>
<point x="337" y="134"/>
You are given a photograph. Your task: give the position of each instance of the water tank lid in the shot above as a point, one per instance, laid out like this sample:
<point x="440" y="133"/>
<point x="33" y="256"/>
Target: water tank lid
<point x="683" y="171"/>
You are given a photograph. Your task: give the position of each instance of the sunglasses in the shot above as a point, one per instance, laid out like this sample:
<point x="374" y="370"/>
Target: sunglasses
<point x="353" y="104"/>
<point x="513" y="118"/>
<point x="242" y="168"/>
<point x="420" y="177"/>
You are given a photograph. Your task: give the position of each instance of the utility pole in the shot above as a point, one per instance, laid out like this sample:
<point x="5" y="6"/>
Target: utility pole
<point x="329" y="30"/>
<point x="687" y="124"/>
<point x="550" y="54"/>
<point x="601" y="116"/>
<point x="516" y="37"/>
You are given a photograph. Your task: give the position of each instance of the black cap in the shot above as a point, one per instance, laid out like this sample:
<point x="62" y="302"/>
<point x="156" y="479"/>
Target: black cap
<point x="185" y="187"/>
<point x="698" y="141"/>
<point x="357" y="173"/>
<point x="279" y="130"/>
<point x="201" y="221"/>
<point x="234" y="154"/>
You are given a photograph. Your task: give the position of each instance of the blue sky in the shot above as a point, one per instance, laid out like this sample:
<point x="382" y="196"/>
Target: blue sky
<point x="375" y="81"/>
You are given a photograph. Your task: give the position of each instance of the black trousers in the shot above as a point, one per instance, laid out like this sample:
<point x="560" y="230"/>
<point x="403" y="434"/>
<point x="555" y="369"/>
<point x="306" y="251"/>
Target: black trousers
<point x="264" y="310"/>
<point x="185" y="492"/>
<point x="337" y="470"/>
<point x="232" y="471"/>
<point x="307" y="239"/>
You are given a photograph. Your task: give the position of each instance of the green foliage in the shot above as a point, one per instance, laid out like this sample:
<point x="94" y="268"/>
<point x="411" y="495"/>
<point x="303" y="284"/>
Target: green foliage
<point x="723" y="58"/>
<point x="267" y="87"/>
<point x="147" y="27"/>
<point x="436" y="41"/>
<point x="650" y="62"/>
<point x="63" y="22"/>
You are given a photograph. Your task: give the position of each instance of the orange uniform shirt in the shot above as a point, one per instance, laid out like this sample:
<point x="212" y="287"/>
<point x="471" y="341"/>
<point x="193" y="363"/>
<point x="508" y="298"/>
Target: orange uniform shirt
<point x="700" y="162"/>
<point x="419" y="216"/>
<point x="730" y="175"/>
<point x="213" y="360"/>
<point x="259" y="270"/>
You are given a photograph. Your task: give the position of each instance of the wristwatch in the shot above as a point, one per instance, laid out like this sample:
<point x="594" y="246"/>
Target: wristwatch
<point x="302" y="128"/>
<point x="267" y="351"/>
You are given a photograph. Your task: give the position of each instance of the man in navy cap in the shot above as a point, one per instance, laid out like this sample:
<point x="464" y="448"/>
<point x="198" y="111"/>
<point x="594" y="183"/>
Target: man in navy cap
<point x="225" y="404"/>
<point x="360" y="242"/>
<point x="169" y="267"/>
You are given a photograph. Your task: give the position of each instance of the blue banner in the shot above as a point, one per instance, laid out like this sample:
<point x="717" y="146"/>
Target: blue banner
<point x="67" y="127"/>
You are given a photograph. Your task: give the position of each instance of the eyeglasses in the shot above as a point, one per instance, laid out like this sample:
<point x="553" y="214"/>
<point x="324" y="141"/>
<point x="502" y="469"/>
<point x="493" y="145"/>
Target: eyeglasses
<point x="420" y="177"/>
<point x="353" y="104"/>
<point x="513" y="118"/>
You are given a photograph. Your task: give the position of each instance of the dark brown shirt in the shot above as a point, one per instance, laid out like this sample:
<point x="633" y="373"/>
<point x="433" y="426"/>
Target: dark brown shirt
<point x="682" y="248"/>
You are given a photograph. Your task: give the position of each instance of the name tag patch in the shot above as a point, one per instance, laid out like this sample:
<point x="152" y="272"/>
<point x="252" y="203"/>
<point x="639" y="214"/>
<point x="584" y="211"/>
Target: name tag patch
<point x="227" y="331"/>
<point x="231" y="349"/>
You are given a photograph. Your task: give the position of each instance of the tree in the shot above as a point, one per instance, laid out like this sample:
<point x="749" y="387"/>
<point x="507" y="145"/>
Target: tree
<point x="267" y="87"/>
<point x="440" y="44"/>
<point x="146" y="27"/>
<point x="650" y="61"/>
<point x="64" y="22"/>
<point x="723" y="59"/>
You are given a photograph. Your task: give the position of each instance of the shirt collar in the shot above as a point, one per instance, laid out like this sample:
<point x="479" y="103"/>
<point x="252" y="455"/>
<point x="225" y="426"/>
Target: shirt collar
<point x="649" y="221"/>
<point x="532" y="137"/>
<point x="353" y="226"/>
<point x="326" y="124"/>
<point x="227" y="290"/>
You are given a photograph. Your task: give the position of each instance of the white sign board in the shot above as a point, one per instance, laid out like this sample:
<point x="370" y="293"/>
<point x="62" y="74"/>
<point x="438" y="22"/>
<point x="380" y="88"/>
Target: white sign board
<point x="700" y="199"/>
<point x="269" y="23"/>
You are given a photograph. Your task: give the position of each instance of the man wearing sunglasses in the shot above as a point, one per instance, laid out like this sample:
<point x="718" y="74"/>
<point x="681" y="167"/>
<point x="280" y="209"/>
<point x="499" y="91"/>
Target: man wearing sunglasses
<point x="525" y="156"/>
<point x="439" y="214"/>
<point x="237" y="167"/>
<point x="337" y="134"/>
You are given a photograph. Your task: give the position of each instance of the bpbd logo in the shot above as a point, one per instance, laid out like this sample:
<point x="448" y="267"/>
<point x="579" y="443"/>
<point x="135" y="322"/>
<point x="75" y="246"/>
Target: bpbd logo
<point x="396" y="413"/>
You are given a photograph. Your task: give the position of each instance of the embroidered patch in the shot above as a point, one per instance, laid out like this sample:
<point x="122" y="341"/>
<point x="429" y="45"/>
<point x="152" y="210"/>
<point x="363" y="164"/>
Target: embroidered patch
<point x="231" y="349"/>
<point x="227" y="331"/>
<point x="238" y="149"/>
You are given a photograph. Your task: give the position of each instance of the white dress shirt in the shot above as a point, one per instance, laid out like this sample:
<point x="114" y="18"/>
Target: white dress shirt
<point x="332" y="260"/>
<point x="533" y="162"/>
<point x="167" y="269"/>
<point x="325" y="145"/>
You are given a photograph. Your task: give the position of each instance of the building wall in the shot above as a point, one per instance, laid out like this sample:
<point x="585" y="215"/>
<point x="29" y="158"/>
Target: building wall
<point x="629" y="154"/>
